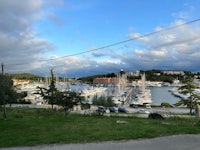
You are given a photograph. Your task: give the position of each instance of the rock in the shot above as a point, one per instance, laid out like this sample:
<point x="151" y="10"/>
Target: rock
<point x="121" y="122"/>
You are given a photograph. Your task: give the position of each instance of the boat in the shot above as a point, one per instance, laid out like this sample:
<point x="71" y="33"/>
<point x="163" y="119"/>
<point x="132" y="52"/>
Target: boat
<point x="32" y="92"/>
<point x="142" y="96"/>
<point x="122" y="92"/>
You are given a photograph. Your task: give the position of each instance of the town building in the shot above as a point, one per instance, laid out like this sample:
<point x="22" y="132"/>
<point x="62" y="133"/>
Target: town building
<point x="20" y="82"/>
<point x="105" y="80"/>
<point x="173" y="72"/>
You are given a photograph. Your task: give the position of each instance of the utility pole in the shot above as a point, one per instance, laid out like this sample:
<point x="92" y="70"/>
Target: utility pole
<point x="2" y="67"/>
<point x="4" y="102"/>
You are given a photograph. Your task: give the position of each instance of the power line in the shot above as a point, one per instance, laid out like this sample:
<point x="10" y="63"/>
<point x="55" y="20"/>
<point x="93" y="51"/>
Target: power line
<point x="125" y="41"/>
<point x="117" y="43"/>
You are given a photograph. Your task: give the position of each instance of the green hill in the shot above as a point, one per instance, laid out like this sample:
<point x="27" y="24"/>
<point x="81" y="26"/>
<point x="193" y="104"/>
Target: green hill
<point x="25" y="76"/>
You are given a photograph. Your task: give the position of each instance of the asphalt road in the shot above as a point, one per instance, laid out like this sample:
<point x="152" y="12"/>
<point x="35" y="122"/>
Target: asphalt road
<point x="177" y="142"/>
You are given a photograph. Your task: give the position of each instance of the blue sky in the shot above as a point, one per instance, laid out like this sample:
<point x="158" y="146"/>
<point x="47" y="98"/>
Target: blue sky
<point x="34" y="31"/>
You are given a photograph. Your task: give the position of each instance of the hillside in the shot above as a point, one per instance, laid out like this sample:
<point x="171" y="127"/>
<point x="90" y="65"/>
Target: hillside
<point x="25" y="76"/>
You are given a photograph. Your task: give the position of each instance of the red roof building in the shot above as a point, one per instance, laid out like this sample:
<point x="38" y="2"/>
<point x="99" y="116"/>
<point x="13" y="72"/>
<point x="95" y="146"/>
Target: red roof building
<point x="112" y="81"/>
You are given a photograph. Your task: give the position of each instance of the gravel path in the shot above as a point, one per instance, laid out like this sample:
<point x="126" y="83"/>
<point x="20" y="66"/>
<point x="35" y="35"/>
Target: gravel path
<point x="177" y="142"/>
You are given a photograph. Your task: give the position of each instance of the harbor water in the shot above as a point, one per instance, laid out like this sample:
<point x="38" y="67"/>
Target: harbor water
<point x="158" y="94"/>
<point x="162" y="94"/>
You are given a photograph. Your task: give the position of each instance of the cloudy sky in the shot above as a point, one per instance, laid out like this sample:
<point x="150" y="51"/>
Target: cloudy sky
<point x="65" y="35"/>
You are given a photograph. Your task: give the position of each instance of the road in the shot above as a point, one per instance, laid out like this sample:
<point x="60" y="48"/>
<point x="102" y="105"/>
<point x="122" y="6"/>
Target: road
<point x="177" y="142"/>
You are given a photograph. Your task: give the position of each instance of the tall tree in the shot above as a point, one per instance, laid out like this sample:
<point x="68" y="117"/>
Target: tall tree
<point x="51" y="94"/>
<point x="192" y="98"/>
<point x="68" y="99"/>
<point x="7" y="93"/>
<point x="103" y="101"/>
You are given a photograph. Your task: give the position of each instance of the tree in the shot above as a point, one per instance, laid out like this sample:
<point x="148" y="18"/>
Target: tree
<point x="103" y="101"/>
<point x="7" y="93"/>
<point x="51" y="94"/>
<point x="165" y="104"/>
<point x="192" y="98"/>
<point x="68" y="99"/>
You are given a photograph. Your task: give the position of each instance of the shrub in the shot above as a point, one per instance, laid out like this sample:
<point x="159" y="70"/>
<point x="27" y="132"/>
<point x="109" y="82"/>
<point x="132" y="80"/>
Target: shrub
<point x="165" y="104"/>
<point x="155" y="116"/>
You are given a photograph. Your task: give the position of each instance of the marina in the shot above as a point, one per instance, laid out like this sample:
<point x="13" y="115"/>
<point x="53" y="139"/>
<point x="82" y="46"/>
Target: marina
<point x="127" y="95"/>
<point x="142" y="94"/>
<point x="122" y="92"/>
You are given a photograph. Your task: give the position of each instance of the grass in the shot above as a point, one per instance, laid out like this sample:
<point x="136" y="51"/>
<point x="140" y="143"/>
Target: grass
<point x="28" y="127"/>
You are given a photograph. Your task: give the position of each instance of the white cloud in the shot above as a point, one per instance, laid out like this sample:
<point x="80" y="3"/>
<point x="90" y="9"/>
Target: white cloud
<point x="138" y="36"/>
<point x="171" y="49"/>
<point x="20" y="48"/>
<point x="181" y="15"/>
<point x="159" y="53"/>
<point x="139" y="52"/>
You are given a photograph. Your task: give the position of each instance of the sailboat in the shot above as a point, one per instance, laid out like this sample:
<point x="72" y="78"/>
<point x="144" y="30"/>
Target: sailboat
<point x="121" y="90"/>
<point x="143" y="94"/>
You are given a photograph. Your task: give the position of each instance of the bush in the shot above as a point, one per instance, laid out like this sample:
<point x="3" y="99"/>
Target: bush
<point x="164" y="104"/>
<point x="103" y="101"/>
<point x="155" y="116"/>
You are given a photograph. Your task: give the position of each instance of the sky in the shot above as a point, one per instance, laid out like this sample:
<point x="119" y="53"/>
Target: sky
<point x="79" y="38"/>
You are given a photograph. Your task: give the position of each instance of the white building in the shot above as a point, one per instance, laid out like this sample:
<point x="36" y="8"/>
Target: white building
<point x="173" y="72"/>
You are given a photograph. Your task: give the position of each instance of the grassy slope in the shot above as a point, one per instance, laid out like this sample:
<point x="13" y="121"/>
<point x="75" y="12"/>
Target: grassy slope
<point x="36" y="126"/>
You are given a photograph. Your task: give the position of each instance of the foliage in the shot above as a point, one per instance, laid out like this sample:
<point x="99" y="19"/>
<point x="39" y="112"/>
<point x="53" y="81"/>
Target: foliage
<point x="68" y="99"/>
<point x="22" y="101"/>
<point x="151" y="75"/>
<point x="103" y="101"/>
<point x="25" y="76"/>
<point x="51" y="94"/>
<point x="165" y="104"/>
<point x="155" y="116"/>
<point x="65" y="99"/>
<point x="157" y="75"/>
<point x="85" y="106"/>
<point x="188" y="89"/>
<point x="7" y="93"/>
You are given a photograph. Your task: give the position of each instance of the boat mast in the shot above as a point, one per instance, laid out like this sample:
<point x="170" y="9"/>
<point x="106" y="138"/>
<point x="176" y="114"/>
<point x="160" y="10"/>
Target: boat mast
<point x="143" y="83"/>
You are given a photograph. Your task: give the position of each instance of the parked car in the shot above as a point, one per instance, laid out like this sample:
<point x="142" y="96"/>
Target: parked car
<point x="148" y="106"/>
<point x="122" y="109"/>
<point x="134" y="106"/>
<point x="144" y="111"/>
<point x="113" y="109"/>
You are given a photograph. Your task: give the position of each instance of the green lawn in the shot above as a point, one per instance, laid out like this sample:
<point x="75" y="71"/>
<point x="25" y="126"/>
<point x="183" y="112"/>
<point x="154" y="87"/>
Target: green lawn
<point x="26" y="126"/>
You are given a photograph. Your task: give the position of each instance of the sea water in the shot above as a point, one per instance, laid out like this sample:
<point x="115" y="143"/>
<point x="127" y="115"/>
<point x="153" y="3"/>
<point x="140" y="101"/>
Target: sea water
<point x="162" y="94"/>
<point x="158" y="94"/>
